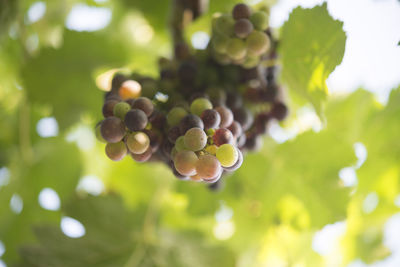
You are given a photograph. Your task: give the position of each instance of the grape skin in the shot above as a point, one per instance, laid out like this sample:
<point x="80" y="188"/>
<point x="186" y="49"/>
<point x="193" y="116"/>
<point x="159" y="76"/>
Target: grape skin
<point x="138" y="142"/>
<point x="173" y="134"/>
<point x="145" y="156"/>
<point x="185" y="162"/>
<point x="227" y="155"/>
<point x="136" y="120"/>
<point x="190" y="121"/>
<point x="241" y="11"/>
<point x="108" y="108"/>
<point x="223" y="136"/>
<point x="144" y="104"/>
<point x="120" y="109"/>
<point x="195" y="139"/>
<point x="176" y="115"/>
<point x="211" y="118"/>
<point x="116" y="151"/>
<point x="243" y="28"/>
<point x="237" y="164"/>
<point x="226" y="116"/>
<point x="208" y="167"/>
<point x="199" y="105"/>
<point x="112" y="129"/>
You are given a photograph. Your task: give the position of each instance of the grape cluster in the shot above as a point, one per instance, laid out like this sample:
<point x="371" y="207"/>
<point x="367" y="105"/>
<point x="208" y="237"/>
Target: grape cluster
<point x="240" y="37"/>
<point x="200" y="116"/>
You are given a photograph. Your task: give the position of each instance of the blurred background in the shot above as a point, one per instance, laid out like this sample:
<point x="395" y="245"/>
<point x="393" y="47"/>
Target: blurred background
<point x="323" y="191"/>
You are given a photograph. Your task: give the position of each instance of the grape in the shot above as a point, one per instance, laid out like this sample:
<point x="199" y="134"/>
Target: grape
<point x="144" y="104"/>
<point x="236" y="49"/>
<point x="145" y="156"/>
<point x="120" y="109"/>
<point x="220" y="43"/>
<point x="116" y="151"/>
<point x="195" y="139"/>
<point x="217" y="96"/>
<point x="241" y="11"/>
<point x="238" y="163"/>
<point x="136" y="120"/>
<point x="112" y="129"/>
<point x="227" y="155"/>
<point x="129" y="89"/>
<point x="149" y="87"/>
<point x="251" y="62"/>
<point x="166" y="148"/>
<point x="185" y="162"/>
<point x="137" y="142"/>
<point x="243" y="28"/>
<point x="257" y="43"/>
<point x="196" y="178"/>
<point x="190" y="121"/>
<point x="173" y="134"/>
<point x="199" y="105"/>
<point x="241" y="141"/>
<point x="112" y="96"/>
<point x="223" y="136"/>
<point x="211" y="118"/>
<point x="244" y="117"/>
<point x="130" y="101"/>
<point x="224" y="24"/>
<point x="180" y="144"/>
<point x="208" y="167"/>
<point x="235" y="129"/>
<point x="117" y="81"/>
<point x="261" y="123"/>
<point x="98" y="133"/>
<point x="253" y="143"/>
<point x="215" y="178"/>
<point x="187" y="72"/>
<point x="234" y="100"/>
<point x="259" y="20"/>
<point x="176" y="115"/>
<point x="211" y="149"/>
<point x="157" y="119"/>
<point x="226" y="116"/>
<point x="279" y="111"/>
<point x="155" y="139"/>
<point x="176" y="173"/>
<point x="108" y="108"/>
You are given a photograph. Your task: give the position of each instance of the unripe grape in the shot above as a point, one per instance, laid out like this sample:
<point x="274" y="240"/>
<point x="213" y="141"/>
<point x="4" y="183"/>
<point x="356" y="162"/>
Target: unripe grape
<point x="236" y="48"/>
<point x="138" y="142"/>
<point x="227" y="155"/>
<point x="259" y="20"/>
<point x="195" y="139"/>
<point x="175" y="115"/>
<point x="120" y="109"/>
<point x="224" y="24"/>
<point x="199" y="105"/>
<point x="220" y="43"/>
<point x="257" y="43"/>
<point x="180" y="144"/>
<point x="116" y="151"/>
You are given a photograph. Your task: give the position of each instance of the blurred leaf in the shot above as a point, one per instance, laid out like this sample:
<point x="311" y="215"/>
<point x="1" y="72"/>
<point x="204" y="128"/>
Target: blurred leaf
<point x="312" y="46"/>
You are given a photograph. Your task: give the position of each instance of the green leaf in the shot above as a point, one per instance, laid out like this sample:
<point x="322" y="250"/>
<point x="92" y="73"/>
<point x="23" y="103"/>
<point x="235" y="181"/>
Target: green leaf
<point x="312" y="46"/>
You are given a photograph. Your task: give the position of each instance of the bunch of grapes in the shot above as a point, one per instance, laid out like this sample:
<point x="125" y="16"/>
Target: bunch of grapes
<point x="240" y="37"/>
<point x="200" y="116"/>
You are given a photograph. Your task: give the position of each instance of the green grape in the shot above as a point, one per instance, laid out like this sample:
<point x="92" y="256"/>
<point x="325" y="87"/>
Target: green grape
<point x="251" y="62"/>
<point x="138" y="142"/>
<point x="121" y="109"/>
<point x="116" y="151"/>
<point x="195" y="139"/>
<point x="180" y="144"/>
<point x="257" y="43"/>
<point x="199" y="105"/>
<point x="98" y="133"/>
<point x="175" y="115"/>
<point x="185" y="162"/>
<point x="259" y="20"/>
<point x="220" y="43"/>
<point x="224" y="24"/>
<point x="236" y="49"/>
<point x="208" y="167"/>
<point x="227" y="155"/>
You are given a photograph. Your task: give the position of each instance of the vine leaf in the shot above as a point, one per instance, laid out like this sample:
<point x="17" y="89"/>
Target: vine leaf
<point x="313" y="45"/>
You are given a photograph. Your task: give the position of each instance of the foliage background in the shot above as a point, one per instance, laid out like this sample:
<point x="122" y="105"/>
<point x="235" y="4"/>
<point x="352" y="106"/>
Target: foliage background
<point x="277" y="210"/>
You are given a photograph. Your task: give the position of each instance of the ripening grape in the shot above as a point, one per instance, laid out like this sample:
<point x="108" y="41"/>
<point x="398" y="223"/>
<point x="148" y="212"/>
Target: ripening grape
<point x="155" y="139"/>
<point x="223" y="136"/>
<point x="233" y="100"/>
<point x="208" y="167"/>
<point x="98" y="133"/>
<point x="185" y="162"/>
<point x="279" y="111"/>
<point x="144" y="104"/>
<point x="253" y="142"/>
<point x="199" y="105"/>
<point x="236" y="48"/>
<point x="112" y="129"/>
<point x="235" y="129"/>
<point x="157" y="119"/>
<point x="259" y="20"/>
<point x="257" y="43"/>
<point x="180" y="144"/>
<point x="243" y="28"/>
<point x="237" y="164"/>
<point x="226" y="116"/>
<point x="241" y="141"/>
<point x="173" y="134"/>
<point x="195" y="139"/>
<point x="130" y="101"/>
<point x="175" y="115"/>
<point x="261" y="123"/>
<point x="145" y="156"/>
<point x="116" y="151"/>
<point x="217" y="96"/>
<point x="211" y="118"/>
<point x="241" y="11"/>
<point x="136" y="120"/>
<point x="220" y="42"/>
<point x="108" y="108"/>
<point x="190" y="121"/>
<point x="137" y="142"/>
<point x="129" y="89"/>
<point x="224" y="24"/>
<point x="244" y="117"/>
<point x="227" y="155"/>
<point x="120" y="109"/>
